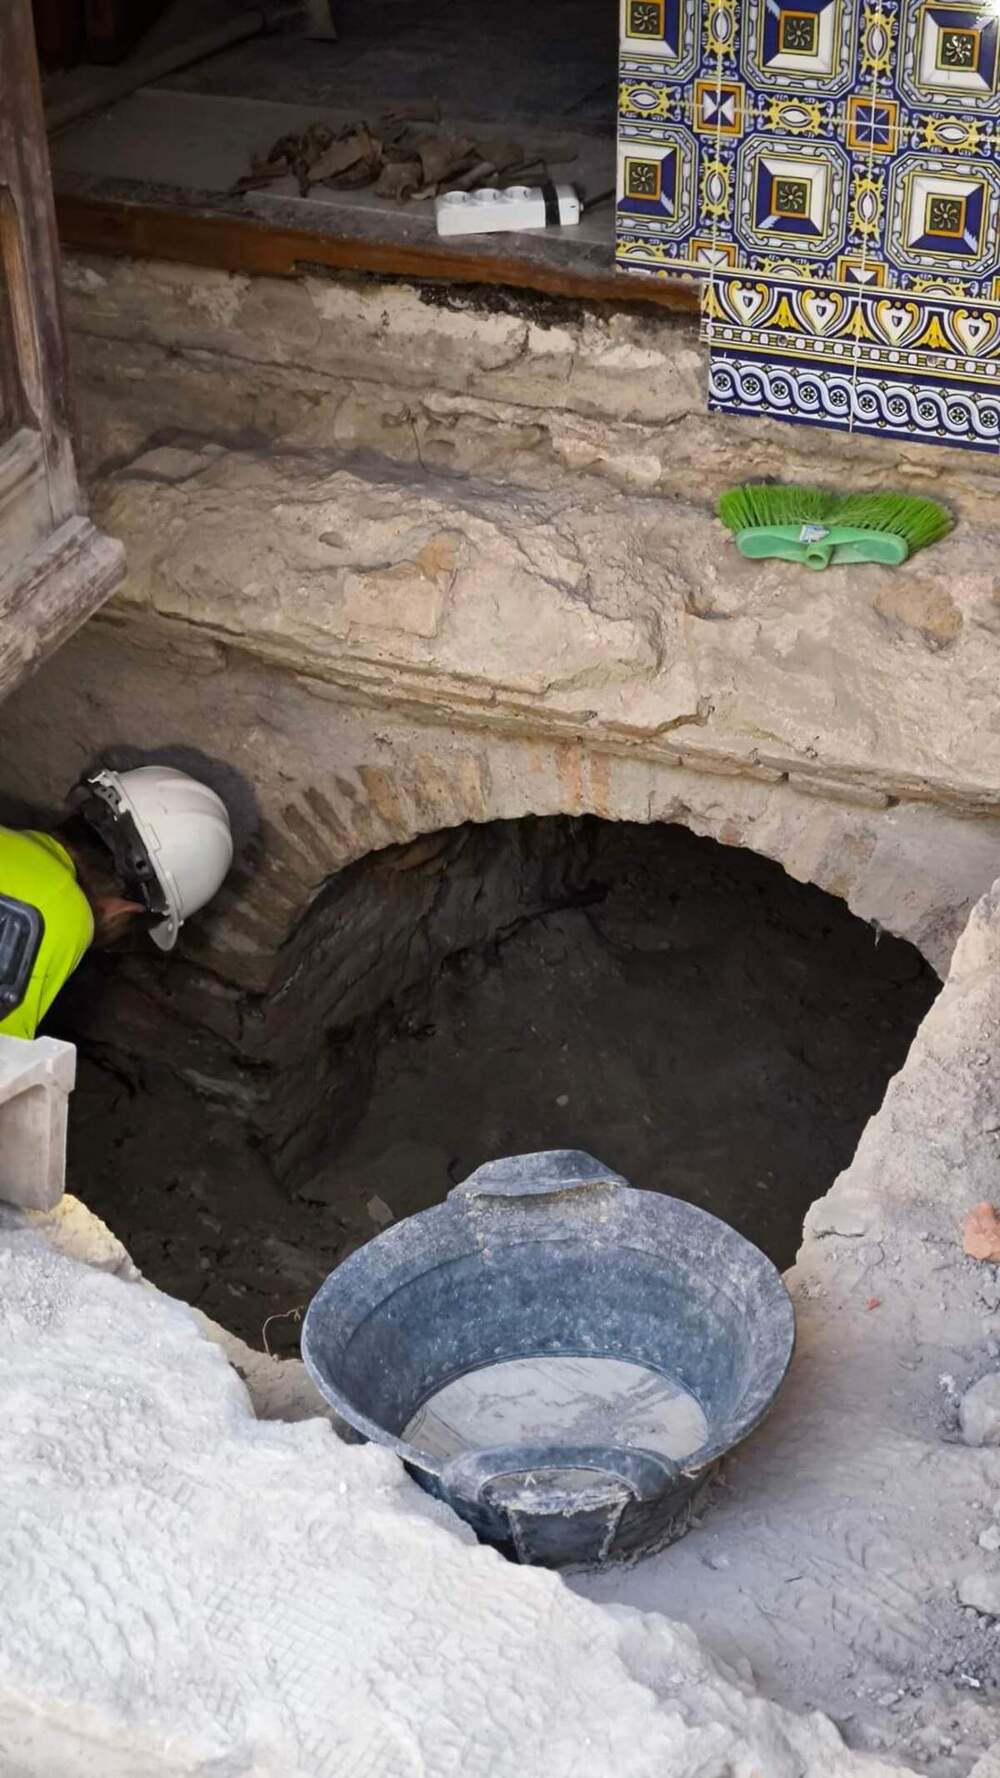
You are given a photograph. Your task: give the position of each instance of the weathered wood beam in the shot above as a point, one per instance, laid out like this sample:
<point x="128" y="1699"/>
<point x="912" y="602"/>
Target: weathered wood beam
<point x="51" y="593"/>
<point x="238" y="244"/>
<point x="55" y="568"/>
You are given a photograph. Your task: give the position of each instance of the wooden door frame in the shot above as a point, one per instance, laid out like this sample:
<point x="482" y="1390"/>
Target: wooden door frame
<point x="55" y="567"/>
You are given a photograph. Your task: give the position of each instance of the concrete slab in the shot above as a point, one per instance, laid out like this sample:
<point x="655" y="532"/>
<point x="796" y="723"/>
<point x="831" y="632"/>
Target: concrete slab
<point x="36" y="1080"/>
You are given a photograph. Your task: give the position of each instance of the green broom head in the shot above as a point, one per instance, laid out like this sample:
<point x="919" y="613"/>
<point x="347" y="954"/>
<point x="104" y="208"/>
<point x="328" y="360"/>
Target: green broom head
<point x="771" y="503"/>
<point x="910" y="516"/>
<point x="802" y="524"/>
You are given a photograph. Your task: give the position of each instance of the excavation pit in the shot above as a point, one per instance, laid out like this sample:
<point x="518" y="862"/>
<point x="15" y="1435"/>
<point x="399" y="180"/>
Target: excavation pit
<point x="711" y="1028"/>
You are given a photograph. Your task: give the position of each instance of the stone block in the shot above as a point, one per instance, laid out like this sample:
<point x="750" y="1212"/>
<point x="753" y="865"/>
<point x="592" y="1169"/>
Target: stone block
<point x="923" y="605"/>
<point x="981" y="1592"/>
<point x="979" y="1413"/>
<point x="36" y="1080"/>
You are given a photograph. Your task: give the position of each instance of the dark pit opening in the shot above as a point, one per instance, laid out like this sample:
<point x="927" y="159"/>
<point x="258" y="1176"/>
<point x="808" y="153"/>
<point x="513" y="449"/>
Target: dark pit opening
<point x="686" y="1011"/>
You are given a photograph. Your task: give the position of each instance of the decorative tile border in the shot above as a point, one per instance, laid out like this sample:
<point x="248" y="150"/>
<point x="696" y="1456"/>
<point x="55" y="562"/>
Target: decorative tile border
<point x="897" y="407"/>
<point x="855" y="357"/>
<point x="853" y="145"/>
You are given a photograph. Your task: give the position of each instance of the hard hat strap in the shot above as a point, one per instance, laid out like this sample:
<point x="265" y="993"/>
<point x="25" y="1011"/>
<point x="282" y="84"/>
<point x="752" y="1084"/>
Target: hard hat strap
<point x="133" y="865"/>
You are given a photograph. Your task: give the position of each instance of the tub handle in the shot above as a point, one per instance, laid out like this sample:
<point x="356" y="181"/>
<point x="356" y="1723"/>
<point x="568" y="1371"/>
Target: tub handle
<point x="537" y="1175"/>
<point x="645" y="1474"/>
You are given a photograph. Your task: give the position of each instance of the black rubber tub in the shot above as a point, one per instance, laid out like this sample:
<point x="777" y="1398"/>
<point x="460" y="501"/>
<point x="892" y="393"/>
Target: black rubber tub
<point x="545" y="1256"/>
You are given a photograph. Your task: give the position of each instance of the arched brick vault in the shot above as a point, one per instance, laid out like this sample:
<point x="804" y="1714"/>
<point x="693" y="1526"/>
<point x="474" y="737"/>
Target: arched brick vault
<point x="908" y="866"/>
<point x="359" y="964"/>
<point x="335" y="967"/>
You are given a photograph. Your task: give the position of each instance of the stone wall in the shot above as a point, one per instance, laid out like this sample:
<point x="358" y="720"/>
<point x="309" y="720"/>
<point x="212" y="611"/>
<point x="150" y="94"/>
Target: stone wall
<point x="463" y="380"/>
<point x="500" y="508"/>
<point x="402" y="559"/>
<point x="327" y="775"/>
<point x="358" y="968"/>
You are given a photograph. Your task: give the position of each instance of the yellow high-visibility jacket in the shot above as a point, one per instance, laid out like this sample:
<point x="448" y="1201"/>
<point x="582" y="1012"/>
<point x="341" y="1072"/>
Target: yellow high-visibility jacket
<point x="35" y="868"/>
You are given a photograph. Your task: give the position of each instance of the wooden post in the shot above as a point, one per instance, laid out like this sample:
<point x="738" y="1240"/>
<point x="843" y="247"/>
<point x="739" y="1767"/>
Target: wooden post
<point x="55" y="568"/>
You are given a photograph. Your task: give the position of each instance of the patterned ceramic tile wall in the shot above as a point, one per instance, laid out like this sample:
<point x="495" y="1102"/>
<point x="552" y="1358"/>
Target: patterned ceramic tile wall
<point x="829" y="170"/>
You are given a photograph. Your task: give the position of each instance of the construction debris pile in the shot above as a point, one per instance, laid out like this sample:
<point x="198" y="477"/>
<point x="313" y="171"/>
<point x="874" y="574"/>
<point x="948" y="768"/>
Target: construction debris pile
<point x="407" y="158"/>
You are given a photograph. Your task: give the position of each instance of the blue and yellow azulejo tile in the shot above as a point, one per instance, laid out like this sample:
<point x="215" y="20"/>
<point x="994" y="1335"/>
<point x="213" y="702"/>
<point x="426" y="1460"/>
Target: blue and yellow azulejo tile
<point x="659" y="39"/>
<point x="657" y="178"/>
<point x="948" y="56"/>
<point x="804" y="46"/>
<point x="849" y="145"/>
<point x="942" y="218"/>
<point x="791" y="196"/>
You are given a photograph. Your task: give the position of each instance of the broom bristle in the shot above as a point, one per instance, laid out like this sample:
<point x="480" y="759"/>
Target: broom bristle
<point x="912" y="516"/>
<point x="767" y="503"/>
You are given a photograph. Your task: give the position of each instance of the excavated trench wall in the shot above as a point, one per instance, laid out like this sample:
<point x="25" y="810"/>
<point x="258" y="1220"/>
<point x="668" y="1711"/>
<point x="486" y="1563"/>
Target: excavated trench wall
<point x="360" y="962"/>
<point x="404" y="559"/>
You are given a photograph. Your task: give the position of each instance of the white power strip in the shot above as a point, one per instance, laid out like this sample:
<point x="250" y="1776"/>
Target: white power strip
<point x="492" y="212"/>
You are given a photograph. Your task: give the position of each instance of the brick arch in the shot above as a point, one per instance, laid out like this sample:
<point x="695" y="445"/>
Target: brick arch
<point x="908" y="866"/>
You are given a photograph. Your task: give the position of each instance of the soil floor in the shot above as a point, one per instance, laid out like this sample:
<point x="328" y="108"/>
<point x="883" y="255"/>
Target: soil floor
<point x="703" y="1024"/>
<point x="552" y="63"/>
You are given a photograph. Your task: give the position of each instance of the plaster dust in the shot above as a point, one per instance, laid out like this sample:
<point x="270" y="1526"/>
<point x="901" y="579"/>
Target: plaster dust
<point x="579" y="1401"/>
<point x="189" y="1590"/>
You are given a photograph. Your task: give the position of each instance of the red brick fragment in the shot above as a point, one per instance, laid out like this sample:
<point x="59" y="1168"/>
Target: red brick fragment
<point x="981" y="1233"/>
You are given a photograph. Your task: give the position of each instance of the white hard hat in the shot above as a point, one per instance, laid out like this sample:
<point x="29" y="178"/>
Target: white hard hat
<point x="170" y="835"/>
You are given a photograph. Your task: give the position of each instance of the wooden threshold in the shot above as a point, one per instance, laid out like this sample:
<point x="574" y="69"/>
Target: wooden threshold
<point x="239" y="244"/>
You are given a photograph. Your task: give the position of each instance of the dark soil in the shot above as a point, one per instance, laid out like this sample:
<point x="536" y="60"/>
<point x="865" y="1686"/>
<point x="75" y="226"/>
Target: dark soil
<point x="693" y="1017"/>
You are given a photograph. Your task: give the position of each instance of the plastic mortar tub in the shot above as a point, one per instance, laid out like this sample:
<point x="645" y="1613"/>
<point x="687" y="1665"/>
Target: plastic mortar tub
<point x="551" y="1260"/>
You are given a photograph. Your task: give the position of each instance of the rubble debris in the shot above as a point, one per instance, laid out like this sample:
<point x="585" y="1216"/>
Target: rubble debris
<point x="399" y="181"/>
<point x="981" y="1233"/>
<point x="348" y="161"/>
<point x="981" y="1592"/>
<point x="409" y="157"/>
<point x="334" y="1575"/>
<point x="979" y="1412"/>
